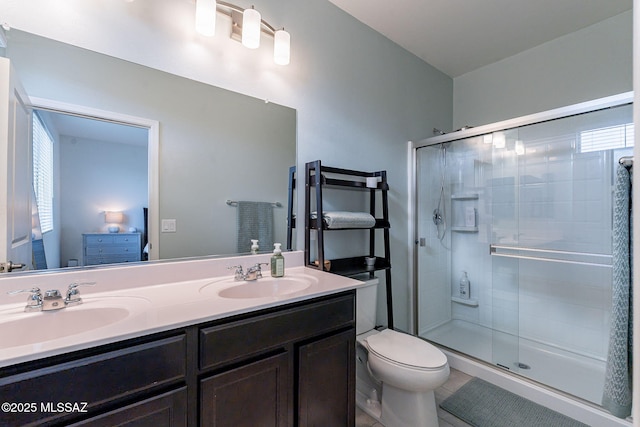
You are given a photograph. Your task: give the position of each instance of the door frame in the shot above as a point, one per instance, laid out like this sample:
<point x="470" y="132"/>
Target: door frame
<point x="153" y="154"/>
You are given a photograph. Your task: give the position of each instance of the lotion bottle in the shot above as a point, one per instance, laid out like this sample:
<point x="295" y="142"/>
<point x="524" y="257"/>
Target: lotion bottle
<point x="277" y="261"/>
<point x="465" y="286"/>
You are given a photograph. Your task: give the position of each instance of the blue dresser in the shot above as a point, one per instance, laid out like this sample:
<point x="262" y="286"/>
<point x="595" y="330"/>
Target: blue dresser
<point x="110" y="248"/>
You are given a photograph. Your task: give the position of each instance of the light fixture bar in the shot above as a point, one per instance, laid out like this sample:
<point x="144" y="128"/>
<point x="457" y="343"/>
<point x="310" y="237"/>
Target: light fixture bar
<point x="282" y="39"/>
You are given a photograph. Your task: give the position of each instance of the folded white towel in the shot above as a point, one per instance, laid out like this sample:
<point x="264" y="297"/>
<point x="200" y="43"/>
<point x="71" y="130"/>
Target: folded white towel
<point x="343" y="219"/>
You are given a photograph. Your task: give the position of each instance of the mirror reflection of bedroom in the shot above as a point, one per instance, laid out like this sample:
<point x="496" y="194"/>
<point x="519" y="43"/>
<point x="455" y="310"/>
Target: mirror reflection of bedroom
<point x="91" y="187"/>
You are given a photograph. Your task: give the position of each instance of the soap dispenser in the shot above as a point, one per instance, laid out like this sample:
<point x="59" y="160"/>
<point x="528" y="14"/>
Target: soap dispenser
<point x="254" y="246"/>
<point x="277" y="261"/>
<point x="465" y="286"/>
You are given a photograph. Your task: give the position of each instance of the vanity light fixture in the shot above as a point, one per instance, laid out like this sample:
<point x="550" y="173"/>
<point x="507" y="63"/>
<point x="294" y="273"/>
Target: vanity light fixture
<point x="247" y="26"/>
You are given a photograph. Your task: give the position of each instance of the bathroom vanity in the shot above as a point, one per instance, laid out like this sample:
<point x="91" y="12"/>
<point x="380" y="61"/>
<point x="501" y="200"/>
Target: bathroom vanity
<point x="274" y="361"/>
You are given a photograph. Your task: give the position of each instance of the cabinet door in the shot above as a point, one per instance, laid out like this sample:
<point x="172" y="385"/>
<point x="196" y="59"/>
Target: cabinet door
<point x="257" y="394"/>
<point x="326" y="381"/>
<point x="169" y="409"/>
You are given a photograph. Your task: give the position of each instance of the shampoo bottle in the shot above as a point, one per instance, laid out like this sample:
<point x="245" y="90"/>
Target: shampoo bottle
<point x="277" y="261"/>
<point x="465" y="286"/>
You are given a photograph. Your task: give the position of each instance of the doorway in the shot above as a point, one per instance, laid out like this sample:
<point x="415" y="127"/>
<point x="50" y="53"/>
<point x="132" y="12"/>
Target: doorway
<point x="103" y="162"/>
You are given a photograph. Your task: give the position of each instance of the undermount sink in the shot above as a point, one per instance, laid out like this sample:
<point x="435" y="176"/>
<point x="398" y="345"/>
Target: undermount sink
<point x="18" y="328"/>
<point x="266" y="287"/>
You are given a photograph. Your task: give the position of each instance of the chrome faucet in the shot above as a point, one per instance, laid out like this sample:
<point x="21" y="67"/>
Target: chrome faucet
<point x="52" y="299"/>
<point x="253" y="273"/>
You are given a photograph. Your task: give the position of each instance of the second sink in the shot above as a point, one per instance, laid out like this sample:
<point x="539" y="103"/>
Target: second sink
<point x="261" y="288"/>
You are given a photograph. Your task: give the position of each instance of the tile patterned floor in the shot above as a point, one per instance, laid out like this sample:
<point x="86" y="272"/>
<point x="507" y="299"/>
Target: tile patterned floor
<point x="456" y="380"/>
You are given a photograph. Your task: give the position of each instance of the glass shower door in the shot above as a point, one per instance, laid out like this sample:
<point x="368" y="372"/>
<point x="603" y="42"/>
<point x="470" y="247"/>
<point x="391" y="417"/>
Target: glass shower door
<point x="527" y="213"/>
<point x="504" y="221"/>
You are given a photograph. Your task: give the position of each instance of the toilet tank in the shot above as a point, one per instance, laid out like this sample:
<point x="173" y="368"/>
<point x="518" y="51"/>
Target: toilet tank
<point x="366" y="304"/>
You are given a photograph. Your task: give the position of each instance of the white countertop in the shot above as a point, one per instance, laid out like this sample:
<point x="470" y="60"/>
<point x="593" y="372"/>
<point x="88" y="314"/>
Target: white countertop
<point x="151" y="308"/>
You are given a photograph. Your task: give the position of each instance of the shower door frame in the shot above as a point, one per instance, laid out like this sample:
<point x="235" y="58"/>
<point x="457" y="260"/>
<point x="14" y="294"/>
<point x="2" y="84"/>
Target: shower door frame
<point x="413" y="146"/>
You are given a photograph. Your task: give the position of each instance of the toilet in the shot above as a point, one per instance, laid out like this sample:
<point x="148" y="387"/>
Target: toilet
<point x="396" y="373"/>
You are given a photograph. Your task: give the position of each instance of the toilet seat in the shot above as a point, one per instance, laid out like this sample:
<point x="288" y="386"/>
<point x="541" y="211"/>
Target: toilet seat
<point x="406" y="350"/>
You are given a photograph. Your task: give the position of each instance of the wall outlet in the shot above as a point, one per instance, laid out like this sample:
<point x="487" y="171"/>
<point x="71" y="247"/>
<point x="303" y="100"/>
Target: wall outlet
<point x="168" y="226"/>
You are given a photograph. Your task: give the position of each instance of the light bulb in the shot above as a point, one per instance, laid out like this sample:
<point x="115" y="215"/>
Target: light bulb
<point x="251" y="23"/>
<point x="281" y="47"/>
<point x="206" y="17"/>
<point x="499" y="140"/>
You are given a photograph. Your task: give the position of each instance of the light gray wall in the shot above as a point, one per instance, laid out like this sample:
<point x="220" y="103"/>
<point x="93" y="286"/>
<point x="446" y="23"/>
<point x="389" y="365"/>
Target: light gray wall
<point x="588" y="64"/>
<point x="359" y="97"/>
<point x="98" y="176"/>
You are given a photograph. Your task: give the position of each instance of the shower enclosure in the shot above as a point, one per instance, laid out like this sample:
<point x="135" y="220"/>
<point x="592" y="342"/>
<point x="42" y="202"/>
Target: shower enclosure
<point x="524" y="207"/>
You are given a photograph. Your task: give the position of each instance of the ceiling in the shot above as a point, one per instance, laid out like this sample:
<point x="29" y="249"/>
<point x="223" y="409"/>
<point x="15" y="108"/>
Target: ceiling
<point x="95" y="130"/>
<point x="459" y="36"/>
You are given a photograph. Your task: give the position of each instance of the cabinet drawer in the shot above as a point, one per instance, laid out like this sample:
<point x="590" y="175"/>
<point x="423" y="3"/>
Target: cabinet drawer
<point x="124" y="239"/>
<point x="98" y="239"/>
<point x="112" y="249"/>
<point x="96" y="380"/>
<point x="110" y="259"/>
<point x="244" y="338"/>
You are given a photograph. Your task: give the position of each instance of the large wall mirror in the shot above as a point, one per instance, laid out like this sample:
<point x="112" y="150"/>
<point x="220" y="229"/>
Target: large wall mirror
<point x="214" y="146"/>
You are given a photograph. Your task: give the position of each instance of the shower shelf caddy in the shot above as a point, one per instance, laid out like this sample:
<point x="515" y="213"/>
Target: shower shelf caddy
<point x="318" y="177"/>
<point x="465" y="197"/>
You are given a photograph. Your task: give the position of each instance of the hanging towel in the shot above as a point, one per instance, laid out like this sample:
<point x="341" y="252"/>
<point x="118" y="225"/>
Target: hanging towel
<point x="255" y="221"/>
<point x="617" y="388"/>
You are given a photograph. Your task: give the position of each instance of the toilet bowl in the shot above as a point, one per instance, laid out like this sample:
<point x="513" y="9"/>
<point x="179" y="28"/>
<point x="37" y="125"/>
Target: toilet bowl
<point x="409" y="369"/>
<point x="396" y="373"/>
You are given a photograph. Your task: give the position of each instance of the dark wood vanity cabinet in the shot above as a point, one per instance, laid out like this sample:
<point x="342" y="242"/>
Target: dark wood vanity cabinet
<point x="289" y="367"/>
<point x="292" y="365"/>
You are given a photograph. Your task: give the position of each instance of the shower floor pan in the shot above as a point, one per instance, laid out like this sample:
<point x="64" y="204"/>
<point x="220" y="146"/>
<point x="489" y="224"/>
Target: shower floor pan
<point x="569" y="372"/>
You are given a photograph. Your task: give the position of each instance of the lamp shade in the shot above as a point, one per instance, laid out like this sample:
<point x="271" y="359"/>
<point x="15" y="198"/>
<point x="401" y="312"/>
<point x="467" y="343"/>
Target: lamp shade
<point x="251" y="24"/>
<point x="281" y="47"/>
<point x="206" y="17"/>
<point x="113" y="217"/>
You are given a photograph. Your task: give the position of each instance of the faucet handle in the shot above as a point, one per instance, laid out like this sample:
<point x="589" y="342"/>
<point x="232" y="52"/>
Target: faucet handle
<point x="34" y="302"/>
<point x="239" y="274"/>
<point x="258" y="269"/>
<point x="73" y="292"/>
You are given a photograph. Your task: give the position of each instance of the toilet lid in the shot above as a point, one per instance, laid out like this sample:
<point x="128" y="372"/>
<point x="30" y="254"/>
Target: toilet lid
<point x="406" y="350"/>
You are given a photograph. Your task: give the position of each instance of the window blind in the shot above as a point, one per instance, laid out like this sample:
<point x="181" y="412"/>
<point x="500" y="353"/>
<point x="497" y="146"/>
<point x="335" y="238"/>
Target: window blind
<point x="608" y="138"/>
<point x="43" y="172"/>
